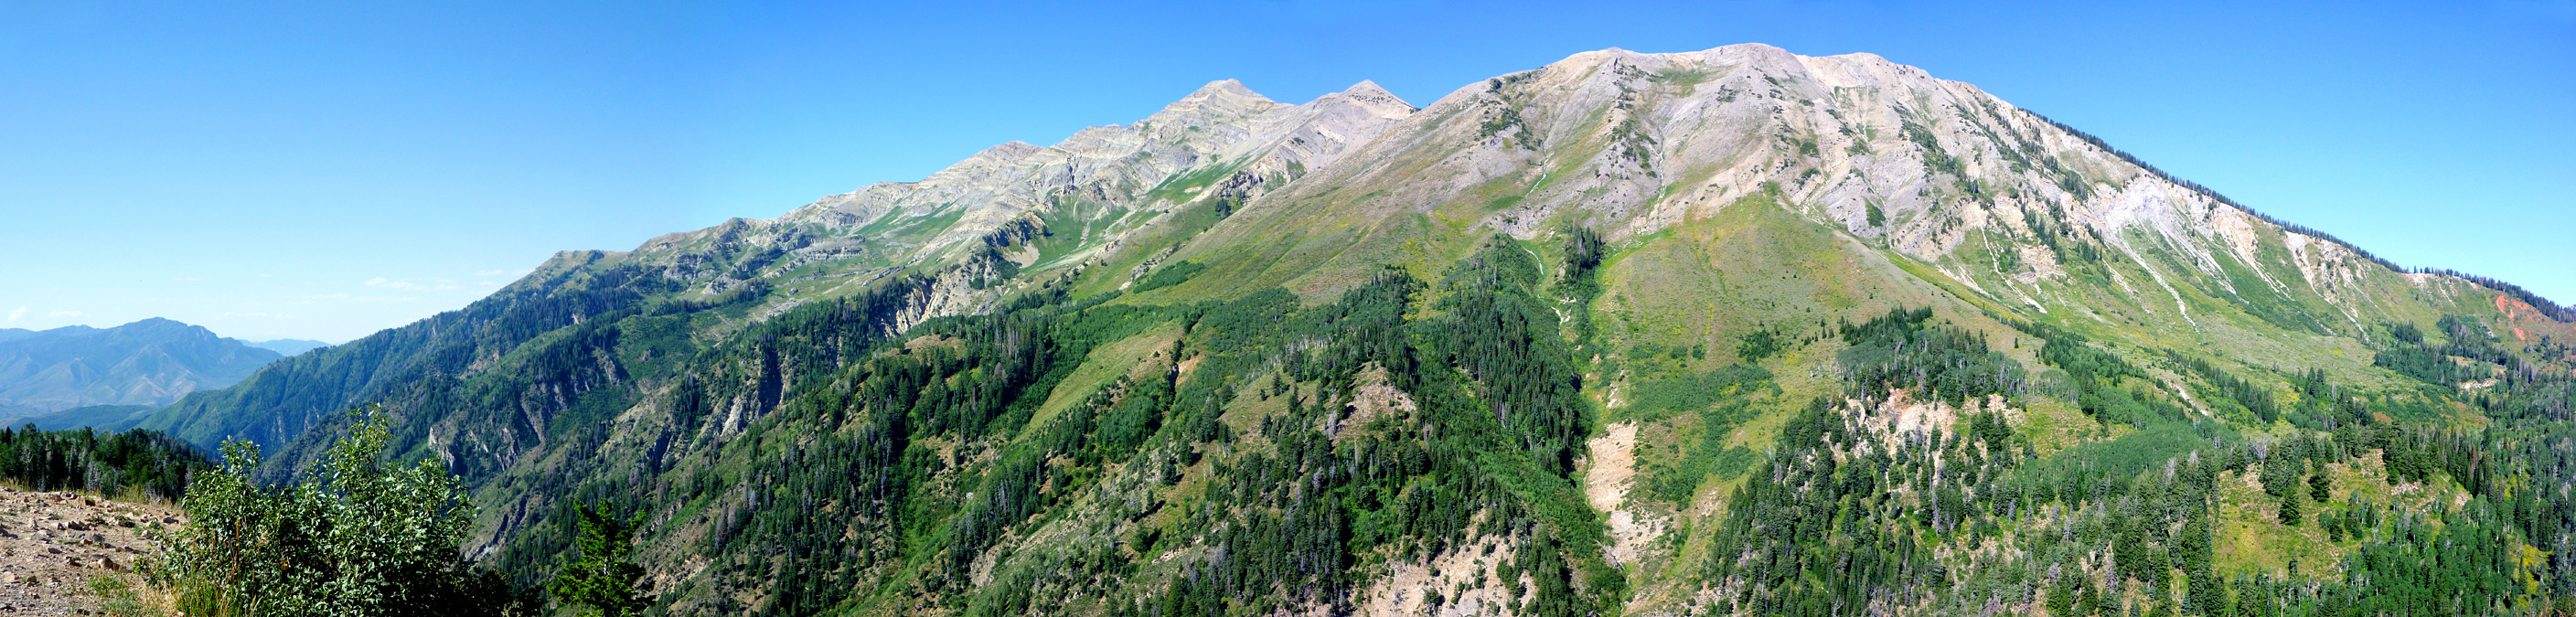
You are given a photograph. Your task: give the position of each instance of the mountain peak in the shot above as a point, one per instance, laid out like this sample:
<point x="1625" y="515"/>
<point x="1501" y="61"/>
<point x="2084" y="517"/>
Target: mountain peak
<point x="1369" y="91"/>
<point x="1218" y="101"/>
<point x="1226" y="87"/>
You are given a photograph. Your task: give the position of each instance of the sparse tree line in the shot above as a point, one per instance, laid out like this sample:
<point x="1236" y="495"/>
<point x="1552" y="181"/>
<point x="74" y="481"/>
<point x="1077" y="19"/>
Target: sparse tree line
<point x="136" y="463"/>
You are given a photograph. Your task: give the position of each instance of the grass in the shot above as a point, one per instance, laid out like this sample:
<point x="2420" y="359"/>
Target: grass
<point x="1104" y="366"/>
<point x="121" y="597"/>
<point x="2251" y="537"/>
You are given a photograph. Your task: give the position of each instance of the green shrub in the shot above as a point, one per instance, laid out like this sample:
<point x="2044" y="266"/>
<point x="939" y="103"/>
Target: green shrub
<point x="1170" y="275"/>
<point x="362" y="538"/>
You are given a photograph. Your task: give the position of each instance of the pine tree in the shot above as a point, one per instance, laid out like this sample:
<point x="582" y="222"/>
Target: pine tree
<point x="2320" y="487"/>
<point x="2292" y="508"/>
<point x="605" y="582"/>
<point x="2281" y="471"/>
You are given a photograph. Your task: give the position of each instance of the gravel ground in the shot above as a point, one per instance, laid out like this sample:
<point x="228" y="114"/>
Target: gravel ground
<point x="52" y="545"/>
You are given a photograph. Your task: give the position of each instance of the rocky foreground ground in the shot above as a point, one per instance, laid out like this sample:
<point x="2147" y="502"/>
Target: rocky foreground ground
<point x="56" y="546"/>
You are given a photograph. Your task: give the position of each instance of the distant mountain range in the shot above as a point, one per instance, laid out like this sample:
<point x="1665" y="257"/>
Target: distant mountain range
<point x="105" y="418"/>
<point x="289" y="346"/>
<point x="145" y="364"/>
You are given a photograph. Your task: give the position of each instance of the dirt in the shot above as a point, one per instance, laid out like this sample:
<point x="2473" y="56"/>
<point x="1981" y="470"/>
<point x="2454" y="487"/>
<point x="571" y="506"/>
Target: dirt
<point x="1467" y="578"/>
<point x="1614" y="460"/>
<point x="53" y="544"/>
<point x="1373" y="397"/>
<point x="1605" y="484"/>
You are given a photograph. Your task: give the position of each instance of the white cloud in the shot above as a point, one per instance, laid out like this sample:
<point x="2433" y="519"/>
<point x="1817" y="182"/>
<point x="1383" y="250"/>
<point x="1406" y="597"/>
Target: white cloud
<point x="67" y="313"/>
<point x="386" y="283"/>
<point x="429" y="283"/>
<point x="352" y="298"/>
<point x="16" y="315"/>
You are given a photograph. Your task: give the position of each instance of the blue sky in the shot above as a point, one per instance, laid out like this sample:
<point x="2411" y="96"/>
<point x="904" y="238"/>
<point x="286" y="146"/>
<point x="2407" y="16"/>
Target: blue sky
<point x="324" y="170"/>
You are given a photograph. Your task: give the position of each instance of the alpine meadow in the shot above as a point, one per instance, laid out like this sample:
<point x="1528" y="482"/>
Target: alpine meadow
<point x="1730" y="332"/>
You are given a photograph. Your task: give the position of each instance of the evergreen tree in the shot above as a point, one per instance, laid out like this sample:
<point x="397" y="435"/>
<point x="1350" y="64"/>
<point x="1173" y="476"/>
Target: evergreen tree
<point x="605" y="582"/>
<point x="2292" y="508"/>
<point x="2281" y="471"/>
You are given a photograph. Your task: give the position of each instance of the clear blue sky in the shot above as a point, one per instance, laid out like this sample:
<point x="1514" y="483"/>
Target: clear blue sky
<point x="324" y="170"/>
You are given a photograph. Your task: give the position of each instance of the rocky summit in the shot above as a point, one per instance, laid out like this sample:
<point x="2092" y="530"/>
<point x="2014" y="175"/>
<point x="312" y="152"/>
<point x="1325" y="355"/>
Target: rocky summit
<point x="1735" y="331"/>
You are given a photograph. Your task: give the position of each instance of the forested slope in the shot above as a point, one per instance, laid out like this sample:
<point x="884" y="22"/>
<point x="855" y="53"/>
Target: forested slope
<point x="1733" y="331"/>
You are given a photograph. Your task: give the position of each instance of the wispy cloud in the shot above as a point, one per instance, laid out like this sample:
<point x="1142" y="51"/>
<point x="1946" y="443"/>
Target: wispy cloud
<point x="345" y="297"/>
<point x="16" y="315"/>
<point x="387" y="283"/>
<point x="423" y="284"/>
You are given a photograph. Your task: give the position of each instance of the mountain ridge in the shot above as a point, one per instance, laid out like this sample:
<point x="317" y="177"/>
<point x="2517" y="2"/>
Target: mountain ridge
<point x="148" y="362"/>
<point x="1247" y="357"/>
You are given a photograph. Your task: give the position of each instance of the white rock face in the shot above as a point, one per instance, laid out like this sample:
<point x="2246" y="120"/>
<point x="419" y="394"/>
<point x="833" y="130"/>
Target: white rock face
<point x="1222" y="123"/>
<point x="1625" y="142"/>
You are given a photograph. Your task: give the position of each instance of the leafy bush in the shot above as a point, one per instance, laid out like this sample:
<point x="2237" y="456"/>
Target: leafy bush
<point x="1758" y="345"/>
<point x="364" y="538"/>
<point x="1701" y="391"/>
<point x="1170" y="275"/>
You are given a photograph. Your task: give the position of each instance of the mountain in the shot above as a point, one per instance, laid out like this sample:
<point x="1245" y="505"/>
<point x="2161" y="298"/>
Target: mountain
<point x="1732" y="331"/>
<point x="288" y="346"/>
<point x="103" y="418"/>
<point x="148" y="362"/>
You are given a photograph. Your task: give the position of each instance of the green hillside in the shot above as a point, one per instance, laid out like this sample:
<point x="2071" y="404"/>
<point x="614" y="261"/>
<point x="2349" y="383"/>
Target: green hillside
<point x="1729" y="332"/>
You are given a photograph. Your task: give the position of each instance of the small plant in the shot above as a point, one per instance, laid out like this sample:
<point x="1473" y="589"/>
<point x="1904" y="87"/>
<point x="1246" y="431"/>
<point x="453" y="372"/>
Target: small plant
<point x="118" y="596"/>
